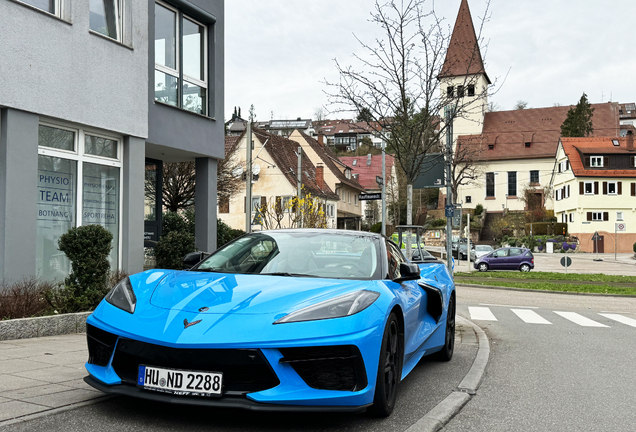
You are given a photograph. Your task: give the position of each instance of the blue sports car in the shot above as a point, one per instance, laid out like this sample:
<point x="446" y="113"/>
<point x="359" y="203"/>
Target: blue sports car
<point x="297" y="319"/>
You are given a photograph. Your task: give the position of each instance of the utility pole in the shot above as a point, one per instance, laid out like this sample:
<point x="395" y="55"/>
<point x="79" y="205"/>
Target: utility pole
<point x="450" y="113"/>
<point x="384" y="189"/>
<point x="248" y="180"/>
<point x="299" y="186"/>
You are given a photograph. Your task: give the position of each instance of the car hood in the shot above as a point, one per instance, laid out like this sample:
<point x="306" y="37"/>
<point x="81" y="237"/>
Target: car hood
<point x="221" y="293"/>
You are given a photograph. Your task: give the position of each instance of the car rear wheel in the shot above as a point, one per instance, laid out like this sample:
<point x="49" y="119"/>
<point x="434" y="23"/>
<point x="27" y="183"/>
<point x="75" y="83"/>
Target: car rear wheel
<point x="389" y="370"/>
<point x="483" y="267"/>
<point x="524" y="268"/>
<point x="449" y="344"/>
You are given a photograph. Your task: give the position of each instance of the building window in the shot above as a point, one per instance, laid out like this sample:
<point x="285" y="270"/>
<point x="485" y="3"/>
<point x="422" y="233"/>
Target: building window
<point x="596" y="161"/>
<point x="619" y="216"/>
<point x="589" y="188"/>
<point x="597" y="216"/>
<point x="490" y="185"/>
<point x="571" y="217"/>
<point x="79" y="183"/>
<point x="330" y="210"/>
<point x="471" y="90"/>
<point x="105" y="17"/>
<point x="180" y="60"/>
<point x="512" y="184"/>
<point x="460" y="91"/>
<point x="450" y="91"/>
<point x="559" y="194"/>
<point x="491" y="146"/>
<point x="355" y="199"/>
<point x="469" y="199"/>
<point x="611" y="188"/>
<point x="534" y="177"/>
<point x="50" y="6"/>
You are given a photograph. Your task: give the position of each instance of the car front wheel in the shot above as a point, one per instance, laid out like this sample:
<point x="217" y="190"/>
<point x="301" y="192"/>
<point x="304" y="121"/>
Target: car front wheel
<point x="389" y="370"/>
<point x="524" y="268"/>
<point x="483" y="267"/>
<point x="449" y="344"/>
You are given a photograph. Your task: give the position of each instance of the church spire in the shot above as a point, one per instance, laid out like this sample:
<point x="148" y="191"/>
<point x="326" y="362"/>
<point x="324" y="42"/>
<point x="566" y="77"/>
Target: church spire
<point x="463" y="56"/>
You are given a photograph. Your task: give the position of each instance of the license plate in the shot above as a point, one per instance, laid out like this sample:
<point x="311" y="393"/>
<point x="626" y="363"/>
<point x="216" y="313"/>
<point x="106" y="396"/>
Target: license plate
<point x="180" y="382"/>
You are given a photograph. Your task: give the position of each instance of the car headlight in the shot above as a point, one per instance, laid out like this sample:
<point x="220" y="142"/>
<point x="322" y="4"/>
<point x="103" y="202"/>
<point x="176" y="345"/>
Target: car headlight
<point x="123" y="296"/>
<point x="338" y="307"/>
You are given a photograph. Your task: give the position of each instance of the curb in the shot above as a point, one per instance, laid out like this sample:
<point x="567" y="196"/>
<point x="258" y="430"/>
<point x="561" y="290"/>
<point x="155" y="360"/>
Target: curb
<point x="54" y="325"/>
<point x="436" y="418"/>
<point x="543" y="291"/>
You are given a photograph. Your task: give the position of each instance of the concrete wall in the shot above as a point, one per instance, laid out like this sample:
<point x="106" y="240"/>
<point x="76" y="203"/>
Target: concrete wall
<point x="58" y="68"/>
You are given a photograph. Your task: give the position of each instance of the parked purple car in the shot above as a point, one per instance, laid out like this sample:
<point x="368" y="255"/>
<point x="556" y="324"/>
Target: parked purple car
<point x="508" y="258"/>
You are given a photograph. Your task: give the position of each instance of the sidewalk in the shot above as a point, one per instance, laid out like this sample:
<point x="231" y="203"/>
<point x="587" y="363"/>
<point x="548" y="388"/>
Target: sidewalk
<point x="41" y="374"/>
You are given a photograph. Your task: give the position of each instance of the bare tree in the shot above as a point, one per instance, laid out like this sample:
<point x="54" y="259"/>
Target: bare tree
<point x="397" y="83"/>
<point x="520" y="105"/>
<point x="466" y="169"/>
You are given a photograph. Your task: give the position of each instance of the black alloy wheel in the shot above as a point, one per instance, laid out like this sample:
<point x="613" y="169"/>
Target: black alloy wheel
<point x="447" y="350"/>
<point x="389" y="370"/>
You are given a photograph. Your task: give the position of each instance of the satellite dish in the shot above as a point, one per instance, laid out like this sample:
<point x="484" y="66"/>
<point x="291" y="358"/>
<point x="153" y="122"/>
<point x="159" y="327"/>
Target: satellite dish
<point x="238" y="171"/>
<point x="623" y="133"/>
<point x="256" y="169"/>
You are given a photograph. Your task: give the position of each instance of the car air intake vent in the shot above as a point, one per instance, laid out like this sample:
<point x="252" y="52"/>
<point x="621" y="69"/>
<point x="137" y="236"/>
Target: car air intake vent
<point x="244" y="370"/>
<point x="329" y="367"/>
<point x="100" y="345"/>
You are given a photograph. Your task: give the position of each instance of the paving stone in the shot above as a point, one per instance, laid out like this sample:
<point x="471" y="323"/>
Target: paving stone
<point x="28" y="351"/>
<point x="14" y="366"/>
<point x="53" y="374"/>
<point x="35" y="391"/>
<point x="60" y="399"/>
<point x="61" y="358"/>
<point x="12" y="382"/>
<point x="79" y="384"/>
<point x="13" y="409"/>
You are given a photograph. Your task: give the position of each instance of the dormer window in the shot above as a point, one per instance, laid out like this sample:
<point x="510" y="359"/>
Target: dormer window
<point x="528" y="144"/>
<point x="596" y="161"/>
<point x="355" y="162"/>
<point x="491" y="146"/>
<point x="616" y="142"/>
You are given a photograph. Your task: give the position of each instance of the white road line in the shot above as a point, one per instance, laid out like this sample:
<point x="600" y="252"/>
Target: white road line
<point x="530" y="316"/>
<point x="509" y="306"/>
<point x="579" y="319"/>
<point x="481" y="314"/>
<point x="620" y="319"/>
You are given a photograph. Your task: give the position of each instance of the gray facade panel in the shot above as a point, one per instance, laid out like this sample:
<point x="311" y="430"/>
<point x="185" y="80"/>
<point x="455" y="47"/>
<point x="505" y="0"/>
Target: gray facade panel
<point x="133" y="206"/>
<point x="205" y="204"/>
<point x="176" y="129"/>
<point x="18" y="191"/>
<point x="60" y="69"/>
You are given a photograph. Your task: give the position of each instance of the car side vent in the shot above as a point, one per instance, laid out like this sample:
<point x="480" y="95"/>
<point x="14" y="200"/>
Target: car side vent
<point x="100" y="345"/>
<point x="435" y="303"/>
<point x="329" y="367"/>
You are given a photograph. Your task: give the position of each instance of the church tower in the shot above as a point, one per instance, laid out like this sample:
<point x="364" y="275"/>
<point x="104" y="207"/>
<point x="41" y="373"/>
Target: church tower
<point x="464" y="77"/>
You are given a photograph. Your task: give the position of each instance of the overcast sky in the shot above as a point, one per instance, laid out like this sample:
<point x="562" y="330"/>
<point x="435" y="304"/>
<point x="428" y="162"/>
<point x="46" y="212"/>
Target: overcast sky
<point x="279" y="52"/>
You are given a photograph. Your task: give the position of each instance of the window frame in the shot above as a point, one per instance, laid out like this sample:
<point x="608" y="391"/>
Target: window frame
<point x="120" y="19"/>
<point x="620" y="216"/>
<point x="58" y="8"/>
<point x="178" y="73"/>
<point x="513" y="174"/>
<point x="538" y="177"/>
<point x="595" y="218"/>
<point x="493" y="185"/>
<point x="80" y="157"/>
<point x="612" y="183"/>
<point x="597" y="159"/>
<point x="585" y="192"/>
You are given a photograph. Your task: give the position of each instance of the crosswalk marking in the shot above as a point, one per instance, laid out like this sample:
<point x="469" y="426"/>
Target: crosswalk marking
<point x="620" y="318"/>
<point x="530" y="316"/>
<point x="579" y="319"/>
<point x="481" y="314"/>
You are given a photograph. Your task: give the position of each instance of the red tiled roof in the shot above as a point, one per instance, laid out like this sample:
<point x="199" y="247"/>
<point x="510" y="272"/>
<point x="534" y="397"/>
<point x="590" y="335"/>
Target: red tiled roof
<point x="360" y="127"/>
<point x="509" y="131"/>
<point x="330" y="160"/>
<point x="283" y="152"/>
<point x="576" y="149"/>
<point x="463" y="56"/>
<point x="230" y="143"/>
<point x="367" y="173"/>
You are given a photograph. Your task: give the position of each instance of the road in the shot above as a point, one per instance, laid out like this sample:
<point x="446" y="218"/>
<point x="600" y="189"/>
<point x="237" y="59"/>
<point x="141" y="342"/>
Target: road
<point x="558" y="362"/>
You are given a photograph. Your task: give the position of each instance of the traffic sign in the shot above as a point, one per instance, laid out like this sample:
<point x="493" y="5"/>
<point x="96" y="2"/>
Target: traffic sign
<point x="566" y="261"/>
<point x="621" y="227"/>
<point x="449" y="210"/>
<point x="596" y="237"/>
<point x="370" y="197"/>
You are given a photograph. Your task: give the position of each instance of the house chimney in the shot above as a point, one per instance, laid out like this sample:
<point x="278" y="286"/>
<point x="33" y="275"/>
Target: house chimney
<point x="630" y="140"/>
<point x="369" y="159"/>
<point x="320" y="176"/>
<point x="321" y="139"/>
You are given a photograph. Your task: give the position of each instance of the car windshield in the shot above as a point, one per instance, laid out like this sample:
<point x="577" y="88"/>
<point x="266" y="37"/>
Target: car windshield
<point x="298" y="253"/>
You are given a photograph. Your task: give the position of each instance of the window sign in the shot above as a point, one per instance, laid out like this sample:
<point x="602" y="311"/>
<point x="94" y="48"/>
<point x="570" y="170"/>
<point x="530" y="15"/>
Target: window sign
<point x="100" y="201"/>
<point x="56" y="214"/>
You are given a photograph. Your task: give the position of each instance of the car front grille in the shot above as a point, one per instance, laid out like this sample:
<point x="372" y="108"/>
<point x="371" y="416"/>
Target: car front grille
<point x="244" y="370"/>
<point x="328" y="367"/>
<point x="100" y="345"/>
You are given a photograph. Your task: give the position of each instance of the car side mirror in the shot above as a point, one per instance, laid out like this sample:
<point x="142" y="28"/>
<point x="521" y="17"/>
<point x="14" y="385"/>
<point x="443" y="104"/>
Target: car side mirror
<point x="408" y="271"/>
<point x="193" y="258"/>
